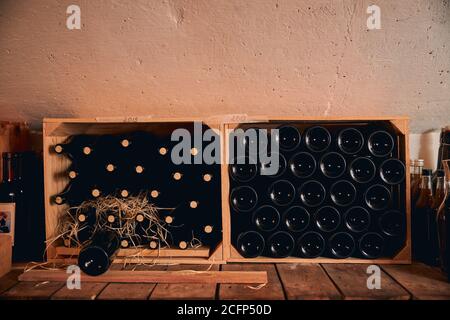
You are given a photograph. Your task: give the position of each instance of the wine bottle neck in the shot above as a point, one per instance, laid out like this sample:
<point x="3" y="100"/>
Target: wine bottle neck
<point x="8" y="167"/>
<point x="425" y="183"/>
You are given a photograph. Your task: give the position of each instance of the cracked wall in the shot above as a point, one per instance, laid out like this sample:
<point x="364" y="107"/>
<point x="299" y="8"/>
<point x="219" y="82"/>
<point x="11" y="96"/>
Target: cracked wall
<point x="209" y="57"/>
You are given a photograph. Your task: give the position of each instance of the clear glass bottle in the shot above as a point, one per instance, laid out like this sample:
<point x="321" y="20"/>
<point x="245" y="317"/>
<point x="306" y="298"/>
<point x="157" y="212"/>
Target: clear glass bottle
<point x="443" y="221"/>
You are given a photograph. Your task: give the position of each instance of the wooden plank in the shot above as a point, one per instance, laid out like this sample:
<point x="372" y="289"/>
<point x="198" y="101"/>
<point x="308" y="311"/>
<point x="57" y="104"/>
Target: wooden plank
<point x="32" y="290"/>
<point x="306" y="282"/>
<point x="131" y="291"/>
<point x="5" y="253"/>
<point x="9" y="280"/>
<point x="273" y="290"/>
<point x="88" y="290"/>
<point x="351" y="279"/>
<point x="424" y="282"/>
<point x="127" y="276"/>
<point x="202" y="252"/>
<point x="186" y="291"/>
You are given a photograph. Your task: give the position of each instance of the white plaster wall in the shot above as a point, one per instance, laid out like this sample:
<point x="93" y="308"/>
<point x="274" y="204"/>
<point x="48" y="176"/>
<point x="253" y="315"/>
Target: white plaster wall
<point x="199" y="57"/>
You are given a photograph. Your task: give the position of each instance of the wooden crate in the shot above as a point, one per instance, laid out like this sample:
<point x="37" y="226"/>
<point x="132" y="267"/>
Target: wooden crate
<point x="56" y="131"/>
<point x="401" y="126"/>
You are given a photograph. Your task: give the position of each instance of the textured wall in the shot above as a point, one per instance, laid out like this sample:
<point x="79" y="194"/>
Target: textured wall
<point x="201" y="57"/>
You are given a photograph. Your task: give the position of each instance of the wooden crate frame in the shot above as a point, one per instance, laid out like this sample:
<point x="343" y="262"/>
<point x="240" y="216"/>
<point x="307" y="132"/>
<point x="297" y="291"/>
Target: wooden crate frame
<point x="56" y="131"/>
<point x="400" y="123"/>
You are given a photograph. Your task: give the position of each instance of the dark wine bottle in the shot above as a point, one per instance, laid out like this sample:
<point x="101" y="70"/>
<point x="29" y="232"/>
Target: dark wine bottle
<point x="343" y="193"/>
<point x="282" y="192"/>
<point x="362" y="170"/>
<point x="392" y="171"/>
<point x="302" y="165"/>
<point x="371" y="245"/>
<point x="327" y="219"/>
<point x="317" y="139"/>
<point x="311" y="245"/>
<point x="420" y="215"/>
<point x="250" y="244"/>
<point x="393" y="223"/>
<point x="296" y="219"/>
<point x="312" y="193"/>
<point x="350" y="140"/>
<point x="97" y="255"/>
<point x="243" y="169"/>
<point x="357" y="219"/>
<point x="380" y="143"/>
<point x="266" y="170"/>
<point x="77" y="147"/>
<point x="342" y="245"/>
<point x="288" y="137"/>
<point x="243" y="198"/>
<point x="332" y="165"/>
<point x="377" y="197"/>
<point x="280" y="244"/>
<point x="266" y="218"/>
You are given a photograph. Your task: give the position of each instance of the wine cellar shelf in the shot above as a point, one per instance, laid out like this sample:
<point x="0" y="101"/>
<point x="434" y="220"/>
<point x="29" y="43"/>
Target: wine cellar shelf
<point x="239" y="184"/>
<point x="152" y="135"/>
<point x="57" y="131"/>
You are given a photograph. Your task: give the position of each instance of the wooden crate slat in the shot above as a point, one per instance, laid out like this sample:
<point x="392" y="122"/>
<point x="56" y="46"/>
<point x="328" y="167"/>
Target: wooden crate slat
<point x="191" y="291"/>
<point x="88" y="291"/>
<point x="306" y="282"/>
<point x="152" y="276"/>
<point x="130" y="291"/>
<point x="9" y="280"/>
<point x="40" y="290"/>
<point x="202" y="252"/>
<point x="273" y="290"/>
<point x="424" y="282"/>
<point x="351" y="279"/>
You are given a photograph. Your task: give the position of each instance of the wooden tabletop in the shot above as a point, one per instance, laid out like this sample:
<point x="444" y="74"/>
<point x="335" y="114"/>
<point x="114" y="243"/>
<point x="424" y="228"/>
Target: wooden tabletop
<point x="286" y="281"/>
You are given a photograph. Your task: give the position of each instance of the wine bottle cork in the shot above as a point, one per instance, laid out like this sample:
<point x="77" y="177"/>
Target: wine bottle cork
<point x="87" y="150"/>
<point x="194" y="151"/>
<point x="193" y="204"/>
<point x="95" y="193"/>
<point x="139" y="169"/>
<point x="207" y="177"/>
<point x="58" y="148"/>
<point x="124" y="243"/>
<point x="125" y="143"/>
<point x="177" y="176"/>
<point x="154" y="193"/>
<point x="183" y="245"/>
<point x="110" y="167"/>
<point x="81" y="217"/>
<point x="58" y="200"/>
<point x="124" y="193"/>
<point x="72" y="174"/>
<point x="139" y="218"/>
<point x="162" y="151"/>
<point x="208" y="229"/>
<point x="153" y="244"/>
<point x="168" y="219"/>
<point x="111" y="218"/>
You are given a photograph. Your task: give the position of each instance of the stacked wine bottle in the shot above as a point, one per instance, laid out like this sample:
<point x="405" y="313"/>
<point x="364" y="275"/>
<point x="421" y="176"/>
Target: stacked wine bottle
<point x="187" y="196"/>
<point x="339" y="192"/>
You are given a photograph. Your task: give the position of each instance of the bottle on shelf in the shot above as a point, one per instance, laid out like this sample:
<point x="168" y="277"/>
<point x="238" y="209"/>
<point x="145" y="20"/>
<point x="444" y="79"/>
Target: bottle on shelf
<point x="317" y="139"/>
<point x="282" y="192"/>
<point x="416" y="180"/>
<point x="342" y="245"/>
<point x="266" y="218"/>
<point x="244" y="198"/>
<point x="380" y="143"/>
<point x="392" y="171"/>
<point x="250" y="244"/>
<point x="77" y="147"/>
<point x="371" y="245"/>
<point x="350" y="140"/>
<point x="420" y="217"/>
<point x="443" y="221"/>
<point x="296" y="219"/>
<point x="343" y="193"/>
<point x="438" y="198"/>
<point x="312" y="193"/>
<point x="302" y="165"/>
<point x="280" y="244"/>
<point x="332" y="165"/>
<point x="288" y="137"/>
<point x="97" y="255"/>
<point x="377" y="197"/>
<point x="311" y="245"/>
<point x="362" y="170"/>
